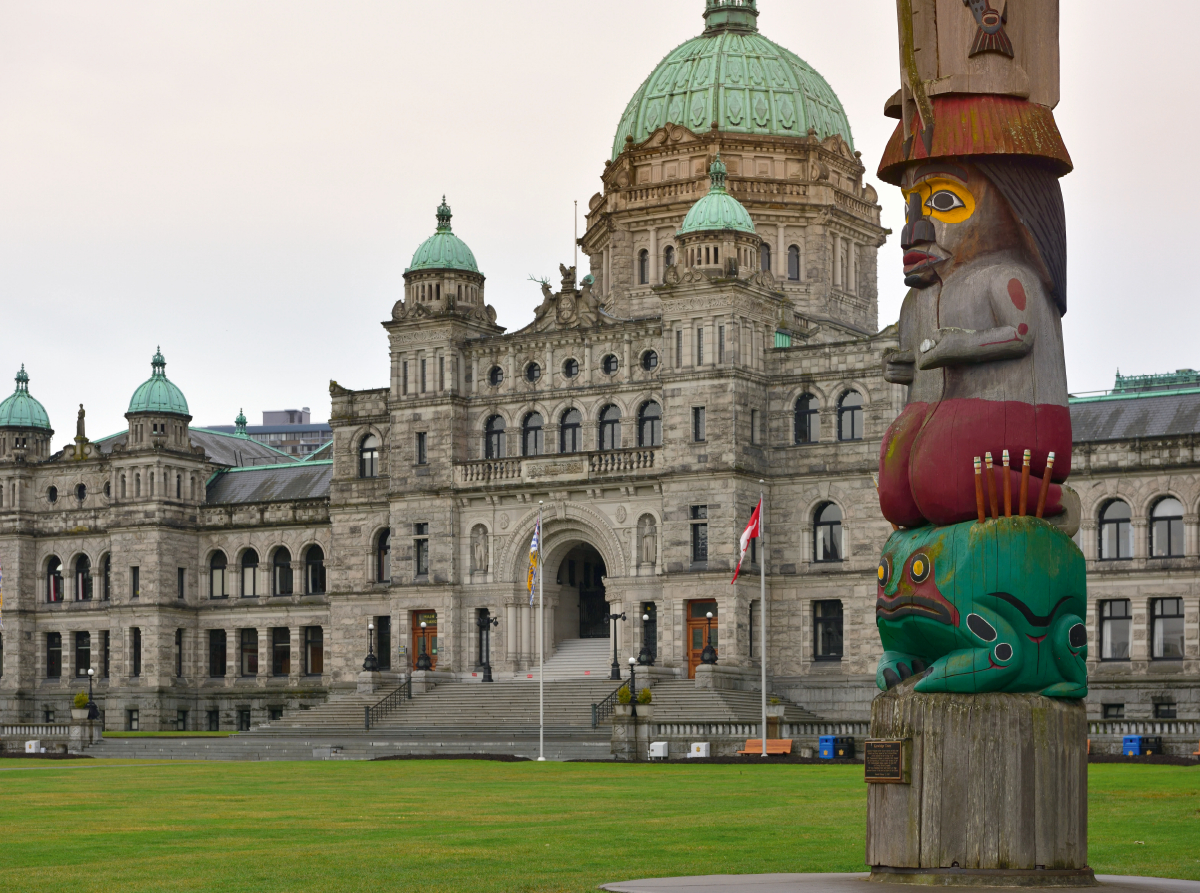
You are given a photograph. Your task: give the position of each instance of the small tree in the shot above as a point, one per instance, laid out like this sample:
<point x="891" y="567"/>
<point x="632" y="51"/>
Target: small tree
<point x="623" y="695"/>
<point x="644" y="696"/>
<point x="81" y="700"/>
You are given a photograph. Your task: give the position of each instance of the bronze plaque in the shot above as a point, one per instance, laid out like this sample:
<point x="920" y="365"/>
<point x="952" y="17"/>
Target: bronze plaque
<point x="886" y="761"/>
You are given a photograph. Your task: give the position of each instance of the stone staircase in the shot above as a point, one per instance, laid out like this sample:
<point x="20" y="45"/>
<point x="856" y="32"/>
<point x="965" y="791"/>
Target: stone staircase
<point x="682" y="702"/>
<point x="576" y="659"/>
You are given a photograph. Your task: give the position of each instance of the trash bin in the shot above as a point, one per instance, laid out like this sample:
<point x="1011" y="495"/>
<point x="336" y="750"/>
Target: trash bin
<point x="826" y="745"/>
<point x="843" y="748"/>
<point x="1131" y="745"/>
<point x="1151" y="745"/>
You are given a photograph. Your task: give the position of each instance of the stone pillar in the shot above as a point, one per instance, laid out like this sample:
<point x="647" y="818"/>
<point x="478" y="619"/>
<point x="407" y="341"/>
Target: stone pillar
<point x="779" y="262"/>
<point x="510" y="635"/>
<point x="233" y="656"/>
<point x="526" y="635"/>
<point x="264" y="655"/>
<point x="1190" y="545"/>
<point x="1141" y="537"/>
<point x="998" y="791"/>
<point x="296" y="663"/>
<point x="654" y="276"/>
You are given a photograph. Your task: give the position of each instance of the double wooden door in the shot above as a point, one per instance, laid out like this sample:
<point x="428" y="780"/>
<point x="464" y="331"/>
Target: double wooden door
<point x="698" y="631"/>
<point x="424" y="640"/>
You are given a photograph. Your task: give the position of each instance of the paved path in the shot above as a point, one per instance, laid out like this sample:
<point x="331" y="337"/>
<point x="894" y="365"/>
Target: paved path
<point x="855" y="883"/>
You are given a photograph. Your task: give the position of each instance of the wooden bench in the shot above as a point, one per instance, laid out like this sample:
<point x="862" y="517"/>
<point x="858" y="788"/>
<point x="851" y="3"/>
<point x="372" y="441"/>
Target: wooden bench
<point x="775" y="746"/>
<point x="1196" y="753"/>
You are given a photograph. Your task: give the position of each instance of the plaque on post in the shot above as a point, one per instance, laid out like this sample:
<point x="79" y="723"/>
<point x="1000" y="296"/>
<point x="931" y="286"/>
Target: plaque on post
<point x="888" y="761"/>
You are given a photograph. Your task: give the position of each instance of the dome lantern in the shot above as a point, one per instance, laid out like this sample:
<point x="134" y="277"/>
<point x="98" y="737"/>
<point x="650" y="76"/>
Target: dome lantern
<point x="239" y="424"/>
<point x="730" y="15"/>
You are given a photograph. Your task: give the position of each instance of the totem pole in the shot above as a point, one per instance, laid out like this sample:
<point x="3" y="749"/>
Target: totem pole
<point x="982" y="592"/>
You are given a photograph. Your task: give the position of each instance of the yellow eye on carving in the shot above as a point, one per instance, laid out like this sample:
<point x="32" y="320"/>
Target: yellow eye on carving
<point x="919" y="571"/>
<point x="884" y="571"/>
<point x="946" y="200"/>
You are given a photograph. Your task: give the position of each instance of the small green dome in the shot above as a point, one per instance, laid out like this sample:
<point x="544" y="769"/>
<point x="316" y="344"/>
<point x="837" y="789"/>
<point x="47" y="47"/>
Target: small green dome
<point x="734" y="76"/>
<point x="443" y="250"/>
<point x="20" y="410"/>
<point x="158" y="393"/>
<point x="717" y="210"/>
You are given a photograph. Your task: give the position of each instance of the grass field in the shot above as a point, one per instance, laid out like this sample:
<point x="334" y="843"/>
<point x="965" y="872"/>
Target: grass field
<point x="476" y="826"/>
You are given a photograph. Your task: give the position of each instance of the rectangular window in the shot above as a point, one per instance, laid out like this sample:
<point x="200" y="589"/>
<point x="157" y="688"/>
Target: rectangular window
<point x="422" y="452"/>
<point x="274" y="713"/>
<point x="1165" y="710"/>
<point x="698" y="424"/>
<point x="699" y="534"/>
<point x="1112" y="711"/>
<point x="421" y="549"/>
<point x="180" y="582"/>
<point x="107" y="652"/>
<point x="1167" y="628"/>
<point x="404" y="378"/>
<point x="423" y="378"/>
<point x="83" y="653"/>
<point x="754" y="435"/>
<point x="178" y="654"/>
<point x="1115" y="630"/>
<point x="181" y="720"/>
<point x="135" y="582"/>
<point x="720" y="344"/>
<point x="827" y="630"/>
<point x="53" y="655"/>
<point x="249" y="649"/>
<point x="217" y="657"/>
<point x="214" y="720"/>
<point x="135" y="637"/>
<point x="383" y="642"/>
<point x="131" y="720"/>
<point x="441" y="373"/>
<point x="281" y="651"/>
<point x="314" y="651"/>
<point x="243" y="720"/>
<point x="678" y="348"/>
<point x="700" y="346"/>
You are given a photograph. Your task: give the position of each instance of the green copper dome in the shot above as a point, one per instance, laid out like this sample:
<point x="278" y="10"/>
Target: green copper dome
<point x="443" y="250"/>
<point x="734" y="76"/>
<point x="158" y="393"/>
<point x="718" y="209"/>
<point x="21" y="410"/>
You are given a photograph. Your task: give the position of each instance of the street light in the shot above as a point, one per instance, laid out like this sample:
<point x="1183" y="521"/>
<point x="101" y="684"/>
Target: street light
<point x="423" y="661"/>
<point x="616" y="665"/>
<point x="633" y="686"/>
<point x="646" y="657"/>
<point x="485" y="622"/>
<point x="709" y="654"/>
<point x="93" y="710"/>
<point x="371" y="664"/>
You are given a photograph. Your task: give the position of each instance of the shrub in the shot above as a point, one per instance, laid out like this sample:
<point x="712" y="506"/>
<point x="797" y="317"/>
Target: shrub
<point x="644" y="696"/>
<point x="623" y="695"/>
<point x="81" y="700"/>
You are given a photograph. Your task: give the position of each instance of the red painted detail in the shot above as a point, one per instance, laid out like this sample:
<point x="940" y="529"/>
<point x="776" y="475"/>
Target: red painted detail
<point x="926" y="464"/>
<point x="1016" y="291"/>
<point x="1010" y="340"/>
<point x="1037" y="640"/>
<point x="1022" y="329"/>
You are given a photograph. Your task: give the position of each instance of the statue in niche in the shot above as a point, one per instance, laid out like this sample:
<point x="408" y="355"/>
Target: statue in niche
<point x="479" y="549"/>
<point x="648" y="540"/>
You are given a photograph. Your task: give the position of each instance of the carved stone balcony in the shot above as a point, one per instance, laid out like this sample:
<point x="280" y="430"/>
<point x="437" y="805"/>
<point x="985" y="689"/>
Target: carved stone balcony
<point x="562" y="467"/>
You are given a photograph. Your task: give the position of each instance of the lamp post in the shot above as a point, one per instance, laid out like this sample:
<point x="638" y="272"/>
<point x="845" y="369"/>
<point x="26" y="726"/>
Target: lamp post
<point x="485" y="622"/>
<point x="709" y="654"/>
<point x="371" y="664"/>
<point x="93" y="710"/>
<point x="633" y="685"/>
<point x="646" y="656"/>
<point x="616" y="665"/>
<point x="423" y="661"/>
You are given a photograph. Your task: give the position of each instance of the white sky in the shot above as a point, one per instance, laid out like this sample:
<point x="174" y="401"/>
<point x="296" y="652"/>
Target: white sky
<point x="245" y="182"/>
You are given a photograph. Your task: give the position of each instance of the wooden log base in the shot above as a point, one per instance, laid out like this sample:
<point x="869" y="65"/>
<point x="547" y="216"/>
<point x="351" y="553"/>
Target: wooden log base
<point x="998" y="793"/>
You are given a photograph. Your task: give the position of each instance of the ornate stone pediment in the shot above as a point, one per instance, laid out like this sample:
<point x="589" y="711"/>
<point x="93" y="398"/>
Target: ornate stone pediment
<point x="413" y="311"/>
<point x="570" y="307"/>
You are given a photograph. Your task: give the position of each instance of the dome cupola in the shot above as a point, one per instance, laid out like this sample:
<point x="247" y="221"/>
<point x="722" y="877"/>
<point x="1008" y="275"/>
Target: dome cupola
<point x="239" y="424"/>
<point x="21" y="409"/>
<point x="718" y="210"/>
<point x="158" y="394"/>
<point x="443" y="277"/>
<point x="718" y="232"/>
<point x="443" y="250"/>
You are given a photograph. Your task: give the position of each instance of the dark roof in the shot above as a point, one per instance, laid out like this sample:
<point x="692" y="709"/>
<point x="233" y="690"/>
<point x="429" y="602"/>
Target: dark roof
<point x="221" y="449"/>
<point x="277" y="483"/>
<point x="1143" y="415"/>
<point x="321" y="455"/>
<point x="312" y="428"/>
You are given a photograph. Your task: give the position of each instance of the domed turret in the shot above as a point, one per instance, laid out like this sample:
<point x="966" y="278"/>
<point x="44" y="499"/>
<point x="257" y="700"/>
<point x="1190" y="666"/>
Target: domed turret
<point x="443" y="275"/>
<point x="443" y="250"/>
<point x="717" y="231"/>
<point x="158" y="411"/>
<point x="239" y="424"/>
<point x="24" y="425"/>
<point x="718" y="209"/>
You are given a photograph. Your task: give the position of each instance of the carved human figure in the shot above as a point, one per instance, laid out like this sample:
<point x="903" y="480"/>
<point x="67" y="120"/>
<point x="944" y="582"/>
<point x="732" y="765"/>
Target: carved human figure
<point x="79" y="424"/>
<point x="479" y="549"/>
<point x="648" y="539"/>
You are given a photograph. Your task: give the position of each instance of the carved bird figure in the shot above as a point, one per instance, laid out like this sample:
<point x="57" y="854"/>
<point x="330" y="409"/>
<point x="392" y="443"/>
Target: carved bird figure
<point x="991" y="37"/>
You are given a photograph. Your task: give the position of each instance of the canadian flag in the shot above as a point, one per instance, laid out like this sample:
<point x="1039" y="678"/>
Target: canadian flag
<point x="750" y="533"/>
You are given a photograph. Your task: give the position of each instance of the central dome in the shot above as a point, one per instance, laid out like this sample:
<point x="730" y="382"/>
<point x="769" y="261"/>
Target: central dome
<point x="734" y="76"/>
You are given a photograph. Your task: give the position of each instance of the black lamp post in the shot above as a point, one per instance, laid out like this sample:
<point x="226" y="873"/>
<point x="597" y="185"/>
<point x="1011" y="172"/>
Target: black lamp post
<point x="633" y="685"/>
<point x="646" y="656"/>
<point x="709" y="654"/>
<point x="93" y="710"/>
<point x="616" y="665"/>
<point x="485" y="622"/>
<point x="423" y="661"/>
<point x="371" y="664"/>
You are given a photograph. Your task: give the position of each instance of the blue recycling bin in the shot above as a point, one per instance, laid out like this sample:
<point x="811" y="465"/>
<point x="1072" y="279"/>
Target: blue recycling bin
<point x="826" y="745"/>
<point x="1131" y="745"/>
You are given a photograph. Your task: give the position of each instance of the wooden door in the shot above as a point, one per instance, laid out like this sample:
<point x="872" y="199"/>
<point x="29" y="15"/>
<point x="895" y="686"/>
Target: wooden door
<point x="424" y="641"/>
<point x="698" y="631"/>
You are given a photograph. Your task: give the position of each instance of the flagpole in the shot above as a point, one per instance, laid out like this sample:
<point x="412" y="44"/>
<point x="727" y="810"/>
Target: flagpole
<point x="762" y="602"/>
<point x="541" y="648"/>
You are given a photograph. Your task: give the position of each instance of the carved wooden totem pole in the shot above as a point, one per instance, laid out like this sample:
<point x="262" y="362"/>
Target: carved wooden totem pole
<point x="982" y="593"/>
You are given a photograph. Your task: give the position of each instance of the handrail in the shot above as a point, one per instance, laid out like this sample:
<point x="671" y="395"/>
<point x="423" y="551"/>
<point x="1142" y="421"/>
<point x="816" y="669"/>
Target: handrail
<point x="389" y="704"/>
<point x="607" y="707"/>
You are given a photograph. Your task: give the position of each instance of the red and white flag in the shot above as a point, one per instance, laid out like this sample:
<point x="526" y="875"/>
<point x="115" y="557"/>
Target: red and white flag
<point x="750" y="533"/>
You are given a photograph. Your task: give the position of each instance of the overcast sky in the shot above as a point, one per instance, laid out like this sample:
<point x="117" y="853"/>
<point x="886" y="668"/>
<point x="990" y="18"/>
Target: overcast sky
<point x="245" y="182"/>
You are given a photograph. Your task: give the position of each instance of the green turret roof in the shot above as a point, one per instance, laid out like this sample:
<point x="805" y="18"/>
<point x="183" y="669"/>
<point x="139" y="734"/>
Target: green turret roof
<point x="239" y="424"/>
<point x="734" y="76"/>
<point x="158" y="393"/>
<point x="443" y="250"/>
<point x="20" y="409"/>
<point x="717" y="210"/>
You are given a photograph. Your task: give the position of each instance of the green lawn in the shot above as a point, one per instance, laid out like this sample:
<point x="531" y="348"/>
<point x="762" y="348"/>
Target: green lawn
<point x="478" y="826"/>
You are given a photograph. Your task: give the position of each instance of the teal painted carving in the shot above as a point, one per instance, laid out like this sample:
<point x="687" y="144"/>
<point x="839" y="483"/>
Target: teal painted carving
<point x="991" y="607"/>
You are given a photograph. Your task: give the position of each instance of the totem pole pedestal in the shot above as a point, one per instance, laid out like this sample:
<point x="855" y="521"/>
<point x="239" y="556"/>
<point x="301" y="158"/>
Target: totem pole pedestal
<point x="997" y="791"/>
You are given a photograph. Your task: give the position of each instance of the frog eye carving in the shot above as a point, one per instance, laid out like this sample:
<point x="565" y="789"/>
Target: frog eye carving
<point x="1077" y="636"/>
<point x="1003" y="652"/>
<point x="918" y="571"/>
<point x="981" y="628"/>
<point x="884" y="573"/>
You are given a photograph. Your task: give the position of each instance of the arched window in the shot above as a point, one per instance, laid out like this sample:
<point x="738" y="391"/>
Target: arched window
<point x="794" y="263"/>
<point x="54" y="579"/>
<point x="650" y="425"/>
<point x="249" y="574"/>
<point x="807" y="422"/>
<point x="532" y="443"/>
<point x="850" y="416"/>
<point x="282" y="572"/>
<point x="218" y="584"/>
<point x="368" y="457"/>
<point x="643" y="267"/>
<point x="1166" y="529"/>
<point x="610" y="428"/>
<point x="314" y="571"/>
<point x="668" y="258"/>
<point x="570" y="439"/>
<point x="383" y="557"/>
<point x="764" y="255"/>
<point x="827" y="533"/>
<point x="83" y="579"/>
<point x="1116" y="532"/>
<point x="106" y="577"/>
<point x="493" y="438"/>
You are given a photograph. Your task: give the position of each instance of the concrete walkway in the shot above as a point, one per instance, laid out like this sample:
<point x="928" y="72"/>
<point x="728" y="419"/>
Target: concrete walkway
<point x="855" y="883"/>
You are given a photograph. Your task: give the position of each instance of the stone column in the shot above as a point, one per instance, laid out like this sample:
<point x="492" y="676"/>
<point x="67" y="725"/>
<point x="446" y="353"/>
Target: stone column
<point x="1141" y="537"/>
<point x="653" y="256"/>
<point x="510" y="635"/>
<point x="233" y="658"/>
<point x="264" y="655"/>
<point x="779" y="262"/>
<point x="1089" y="543"/>
<point x="1190" y="546"/>
<point x="296" y="664"/>
<point x="851" y="258"/>
<point x="526" y="634"/>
